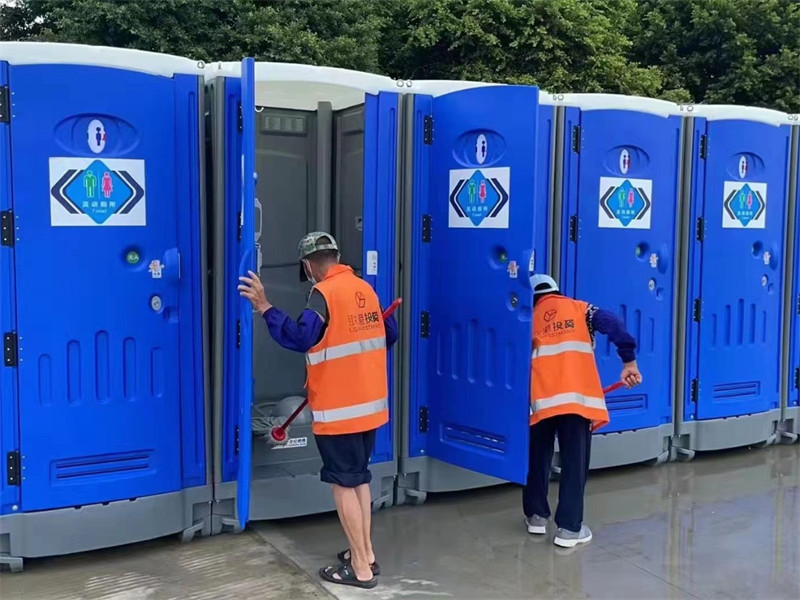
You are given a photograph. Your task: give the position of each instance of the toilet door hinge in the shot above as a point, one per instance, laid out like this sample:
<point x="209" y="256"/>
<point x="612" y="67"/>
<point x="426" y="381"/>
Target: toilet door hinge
<point x="236" y="440"/>
<point x="238" y="334"/>
<point x="703" y="146"/>
<point x="696" y="309"/>
<point x="425" y="324"/>
<point x="423" y="419"/>
<point x="700" y="229"/>
<point x="798" y="304"/>
<point x="5" y="104"/>
<point x="573" y="228"/>
<point x="797" y="378"/>
<point x="695" y="390"/>
<point x="12" y="468"/>
<point x="576" y="139"/>
<point x="7" y="228"/>
<point x="427" y="130"/>
<point x="239" y="225"/>
<point x="426" y="229"/>
<point x="10" y="349"/>
<point x="240" y="118"/>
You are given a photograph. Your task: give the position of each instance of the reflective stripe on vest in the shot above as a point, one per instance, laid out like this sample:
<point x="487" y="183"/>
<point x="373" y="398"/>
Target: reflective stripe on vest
<point x="568" y="398"/>
<point x="344" y="350"/>
<point x="555" y="349"/>
<point x="350" y="412"/>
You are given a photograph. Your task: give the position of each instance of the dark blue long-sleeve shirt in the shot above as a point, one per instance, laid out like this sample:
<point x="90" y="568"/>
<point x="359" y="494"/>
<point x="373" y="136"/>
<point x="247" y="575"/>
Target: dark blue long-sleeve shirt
<point x="607" y="323"/>
<point x="304" y="333"/>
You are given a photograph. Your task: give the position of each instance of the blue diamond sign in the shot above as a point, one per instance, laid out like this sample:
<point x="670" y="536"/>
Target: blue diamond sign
<point x="624" y="202"/>
<point x="745" y="205"/>
<point x="97" y="191"/>
<point x="478" y="197"/>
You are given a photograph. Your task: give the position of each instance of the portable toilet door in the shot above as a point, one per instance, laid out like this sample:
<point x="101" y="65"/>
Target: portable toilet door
<point x="102" y="299"/>
<point x="472" y="177"/>
<point x="419" y="472"/>
<point x="323" y="147"/>
<point x="620" y="173"/>
<point x="790" y="398"/>
<point x="231" y="100"/>
<point x="736" y="237"/>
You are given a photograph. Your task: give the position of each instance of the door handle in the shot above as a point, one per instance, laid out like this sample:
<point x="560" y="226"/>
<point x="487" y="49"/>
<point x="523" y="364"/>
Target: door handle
<point x="258" y="216"/>
<point x="529" y="263"/>
<point x="172" y="264"/>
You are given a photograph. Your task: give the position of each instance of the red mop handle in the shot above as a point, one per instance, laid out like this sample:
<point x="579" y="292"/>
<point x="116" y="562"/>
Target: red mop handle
<point x="613" y="387"/>
<point x="386" y="314"/>
<point x="392" y="307"/>
<point x="293" y="416"/>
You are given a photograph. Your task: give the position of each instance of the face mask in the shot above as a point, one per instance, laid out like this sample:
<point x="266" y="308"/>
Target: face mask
<point x="309" y="273"/>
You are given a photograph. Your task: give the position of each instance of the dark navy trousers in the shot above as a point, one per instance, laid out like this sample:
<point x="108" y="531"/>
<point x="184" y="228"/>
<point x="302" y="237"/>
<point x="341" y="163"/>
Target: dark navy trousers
<point x="575" y="447"/>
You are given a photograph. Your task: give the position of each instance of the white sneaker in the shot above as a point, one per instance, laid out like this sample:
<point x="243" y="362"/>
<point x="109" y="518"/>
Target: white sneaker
<point x="536" y="525"/>
<point x="569" y="539"/>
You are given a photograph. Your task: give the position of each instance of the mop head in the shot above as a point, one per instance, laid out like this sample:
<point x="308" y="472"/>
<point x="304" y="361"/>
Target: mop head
<point x="269" y="429"/>
<point x="267" y="420"/>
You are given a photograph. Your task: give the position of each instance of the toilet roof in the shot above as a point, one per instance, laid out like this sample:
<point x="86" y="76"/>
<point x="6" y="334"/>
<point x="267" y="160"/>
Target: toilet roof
<point x="35" y="53"/>
<point x="733" y="112"/>
<point x="440" y="87"/>
<point x="588" y="102"/>
<point x="289" y="85"/>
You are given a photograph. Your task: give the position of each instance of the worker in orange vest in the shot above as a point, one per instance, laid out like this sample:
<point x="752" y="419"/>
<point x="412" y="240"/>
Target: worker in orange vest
<point x="567" y="401"/>
<point x="344" y="337"/>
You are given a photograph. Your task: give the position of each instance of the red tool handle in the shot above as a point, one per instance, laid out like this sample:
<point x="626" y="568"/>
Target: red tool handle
<point x="280" y="431"/>
<point x="392" y="307"/>
<point x="613" y="387"/>
<point x="280" y="436"/>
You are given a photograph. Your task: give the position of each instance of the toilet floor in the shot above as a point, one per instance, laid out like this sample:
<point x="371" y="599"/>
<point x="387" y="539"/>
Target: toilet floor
<point x="726" y="525"/>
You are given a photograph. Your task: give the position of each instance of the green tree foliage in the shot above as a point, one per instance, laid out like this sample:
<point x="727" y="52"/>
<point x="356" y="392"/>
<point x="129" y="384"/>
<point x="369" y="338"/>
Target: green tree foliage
<point x="716" y="51"/>
<point x="343" y="33"/>
<point x="561" y="45"/>
<point x="18" y="21"/>
<point x="197" y="28"/>
<point x="724" y="51"/>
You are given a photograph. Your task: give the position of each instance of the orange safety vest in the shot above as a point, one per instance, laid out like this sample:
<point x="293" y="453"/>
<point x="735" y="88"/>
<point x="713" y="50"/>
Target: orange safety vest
<point x="564" y="377"/>
<point x="347" y="382"/>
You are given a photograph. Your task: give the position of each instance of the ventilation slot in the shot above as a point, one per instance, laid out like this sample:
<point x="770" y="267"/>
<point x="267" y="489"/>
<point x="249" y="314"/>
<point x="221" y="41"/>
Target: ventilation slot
<point x="102" y="467"/>
<point x="733" y="392"/>
<point x="620" y="405"/>
<point x="474" y="438"/>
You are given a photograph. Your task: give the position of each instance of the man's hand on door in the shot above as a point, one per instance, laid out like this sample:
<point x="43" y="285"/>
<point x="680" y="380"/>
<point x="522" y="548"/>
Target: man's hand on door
<point x="252" y="289"/>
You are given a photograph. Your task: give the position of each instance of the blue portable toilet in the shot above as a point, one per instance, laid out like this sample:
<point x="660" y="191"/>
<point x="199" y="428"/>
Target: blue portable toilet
<point x="789" y="427"/>
<point x="734" y="231"/>
<point x="101" y="299"/>
<point x="619" y="171"/>
<point x="419" y="473"/>
<point x="475" y="209"/>
<point x="318" y="148"/>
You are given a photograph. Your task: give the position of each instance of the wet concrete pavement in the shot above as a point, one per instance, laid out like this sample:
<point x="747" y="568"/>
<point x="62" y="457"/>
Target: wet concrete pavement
<point x="228" y="567"/>
<point x="723" y="526"/>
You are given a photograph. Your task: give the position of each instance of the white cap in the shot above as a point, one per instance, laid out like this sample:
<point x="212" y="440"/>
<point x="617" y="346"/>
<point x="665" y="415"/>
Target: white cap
<point x="543" y="284"/>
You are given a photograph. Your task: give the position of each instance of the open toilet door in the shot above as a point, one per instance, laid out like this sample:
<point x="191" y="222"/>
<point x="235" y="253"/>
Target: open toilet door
<point x="474" y="188"/>
<point x="247" y="262"/>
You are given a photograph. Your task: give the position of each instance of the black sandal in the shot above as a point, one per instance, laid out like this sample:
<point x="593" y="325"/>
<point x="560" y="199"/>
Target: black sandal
<point x="346" y="560"/>
<point x="346" y="576"/>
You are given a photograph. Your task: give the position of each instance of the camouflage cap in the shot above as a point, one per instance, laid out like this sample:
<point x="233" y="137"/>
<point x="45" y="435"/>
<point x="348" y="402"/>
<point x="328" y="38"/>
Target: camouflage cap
<point x="308" y="245"/>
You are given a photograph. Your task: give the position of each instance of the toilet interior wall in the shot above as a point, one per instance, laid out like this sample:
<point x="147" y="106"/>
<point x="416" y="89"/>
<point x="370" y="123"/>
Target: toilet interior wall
<point x="310" y="166"/>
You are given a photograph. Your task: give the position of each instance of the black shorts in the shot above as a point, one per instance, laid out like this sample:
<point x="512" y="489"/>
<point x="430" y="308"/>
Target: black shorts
<point x="345" y="458"/>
